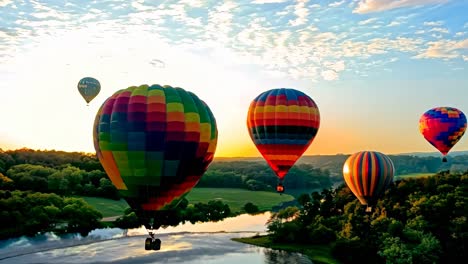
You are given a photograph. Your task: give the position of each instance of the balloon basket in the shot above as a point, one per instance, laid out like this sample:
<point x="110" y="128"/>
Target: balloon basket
<point x="280" y="188"/>
<point x="444" y="159"/>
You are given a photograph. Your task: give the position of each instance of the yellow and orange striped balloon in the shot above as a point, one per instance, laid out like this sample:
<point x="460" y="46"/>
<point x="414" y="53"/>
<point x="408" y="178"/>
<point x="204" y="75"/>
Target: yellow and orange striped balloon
<point x="368" y="174"/>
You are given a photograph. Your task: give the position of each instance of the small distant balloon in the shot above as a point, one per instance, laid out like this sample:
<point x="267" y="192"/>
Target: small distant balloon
<point x="158" y="63"/>
<point x="89" y="88"/>
<point x="443" y="127"/>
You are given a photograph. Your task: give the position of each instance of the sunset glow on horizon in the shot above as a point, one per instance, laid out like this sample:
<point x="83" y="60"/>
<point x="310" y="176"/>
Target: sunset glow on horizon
<point x="372" y="67"/>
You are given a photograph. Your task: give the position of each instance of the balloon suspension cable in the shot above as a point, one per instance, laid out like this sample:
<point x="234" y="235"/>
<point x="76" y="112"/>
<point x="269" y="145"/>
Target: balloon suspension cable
<point x="151" y="230"/>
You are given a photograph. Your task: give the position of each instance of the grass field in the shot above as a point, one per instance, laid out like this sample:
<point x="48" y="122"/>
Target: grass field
<point x="320" y="254"/>
<point x="237" y="198"/>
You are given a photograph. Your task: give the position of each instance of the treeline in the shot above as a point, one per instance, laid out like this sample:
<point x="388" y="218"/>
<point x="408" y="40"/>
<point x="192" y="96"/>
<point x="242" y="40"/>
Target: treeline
<point x="419" y="220"/>
<point x="259" y="176"/>
<point x="48" y="158"/>
<point x="404" y="164"/>
<point x="64" y="180"/>
<point x="74" y="173"/>
<point x="30" y="213"/>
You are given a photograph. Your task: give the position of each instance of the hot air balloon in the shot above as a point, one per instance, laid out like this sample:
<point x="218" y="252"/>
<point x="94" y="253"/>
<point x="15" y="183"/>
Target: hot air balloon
<point x="443" y="127"/>
<point x="154" y="142"/>
<point x="368" y="174"/>
<point x="89" y="88"/>
<point x="282" y="124"/>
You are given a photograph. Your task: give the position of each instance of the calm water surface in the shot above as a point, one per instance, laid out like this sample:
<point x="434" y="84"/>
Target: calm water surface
<point x="200" y="243"/>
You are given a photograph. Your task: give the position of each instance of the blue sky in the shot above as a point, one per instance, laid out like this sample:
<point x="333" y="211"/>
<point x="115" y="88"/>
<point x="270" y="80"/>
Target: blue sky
<point x="373" y="66"/>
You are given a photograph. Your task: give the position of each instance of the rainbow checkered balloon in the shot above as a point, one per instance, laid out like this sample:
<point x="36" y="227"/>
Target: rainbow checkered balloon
<point x="443" y="127"/>
<point x="282" y="124"/>
<point x="154" y="142"/>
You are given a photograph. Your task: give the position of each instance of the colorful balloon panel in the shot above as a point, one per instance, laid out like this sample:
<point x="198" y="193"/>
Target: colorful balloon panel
<point x="89" y="88"/>
<point x="443" y="127"/>
<point x="368" y="174"/>
<point x="282" y="124"/>
<point x="155" y="143"/>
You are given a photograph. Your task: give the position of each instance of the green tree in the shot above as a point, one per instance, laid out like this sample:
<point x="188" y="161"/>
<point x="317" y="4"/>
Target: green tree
<point x="250" y="208"/>
<point x="394" y="251"/>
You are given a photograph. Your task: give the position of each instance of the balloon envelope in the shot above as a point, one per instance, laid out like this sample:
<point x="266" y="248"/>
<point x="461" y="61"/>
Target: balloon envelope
<point x="154" y="143"/>
<point x="282" y="124"/>
<point x="368" y="174"/>
<point x="443" y="127"/>
<point x="89" y="88"/>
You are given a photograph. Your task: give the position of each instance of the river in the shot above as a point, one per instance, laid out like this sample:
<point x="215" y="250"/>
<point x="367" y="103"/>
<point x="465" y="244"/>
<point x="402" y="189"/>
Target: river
<point x="188" y="243"/>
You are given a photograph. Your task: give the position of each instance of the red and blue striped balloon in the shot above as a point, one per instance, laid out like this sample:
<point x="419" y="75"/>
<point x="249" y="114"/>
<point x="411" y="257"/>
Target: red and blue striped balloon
<point x="282" y="124"/>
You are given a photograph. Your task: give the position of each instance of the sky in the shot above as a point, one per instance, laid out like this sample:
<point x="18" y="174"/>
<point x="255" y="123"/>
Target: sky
<point x="373" y="67"/>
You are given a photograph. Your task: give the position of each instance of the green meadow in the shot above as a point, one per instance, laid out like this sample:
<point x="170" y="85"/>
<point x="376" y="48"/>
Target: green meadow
<point x="235" y="198"/>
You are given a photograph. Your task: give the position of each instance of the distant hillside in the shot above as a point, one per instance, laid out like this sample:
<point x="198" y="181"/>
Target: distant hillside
<point x="416" y="162"/>
<point x="435" y="154"/>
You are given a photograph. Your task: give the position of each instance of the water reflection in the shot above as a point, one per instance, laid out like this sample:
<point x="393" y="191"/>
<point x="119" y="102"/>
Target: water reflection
<point x="245" y="222"/>
<point x="112" y="246"/>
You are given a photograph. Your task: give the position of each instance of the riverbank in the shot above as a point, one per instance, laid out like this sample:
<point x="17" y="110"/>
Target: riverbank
<point x="319" y="254"/>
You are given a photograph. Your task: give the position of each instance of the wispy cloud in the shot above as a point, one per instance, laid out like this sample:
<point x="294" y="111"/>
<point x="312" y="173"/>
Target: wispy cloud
<point x="394" y="23"/>
<point x="301" y="11"/>
<point x="367" y="21"/>
<point x="4" y="3"/>
<point x="268" y="1"/>
<point x="369" y="6"/>
<point x="290" y="41"/>
<point x="434" y="23"/>
<point x="440" y="30"/>
<point x="445" y="49"/>
<point x="337" y="3"/>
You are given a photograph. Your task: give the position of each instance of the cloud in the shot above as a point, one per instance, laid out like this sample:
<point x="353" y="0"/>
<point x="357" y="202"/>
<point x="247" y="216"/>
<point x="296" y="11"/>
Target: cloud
<point x="444" y="49"/>
<point x="440" y="30"/>
<point x="367" y="21"/>
<point x="434" y="23"/>
<point x="301" y="11"/>
<point x="369" y="6"/>
<point x="4" y="3"/>
<point x="366" y="49"/>
<point x="336" y="4"/>
<point x="329" y="75"/>
<point x="268" y="1"/>
<point x="459" y="34"/>
<point x="465" y="58"/>
<point x="220" y="22"/>
<point x="335" y="66"/>
<point x="192" y="3"/>
<point x="393" y="24"/>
